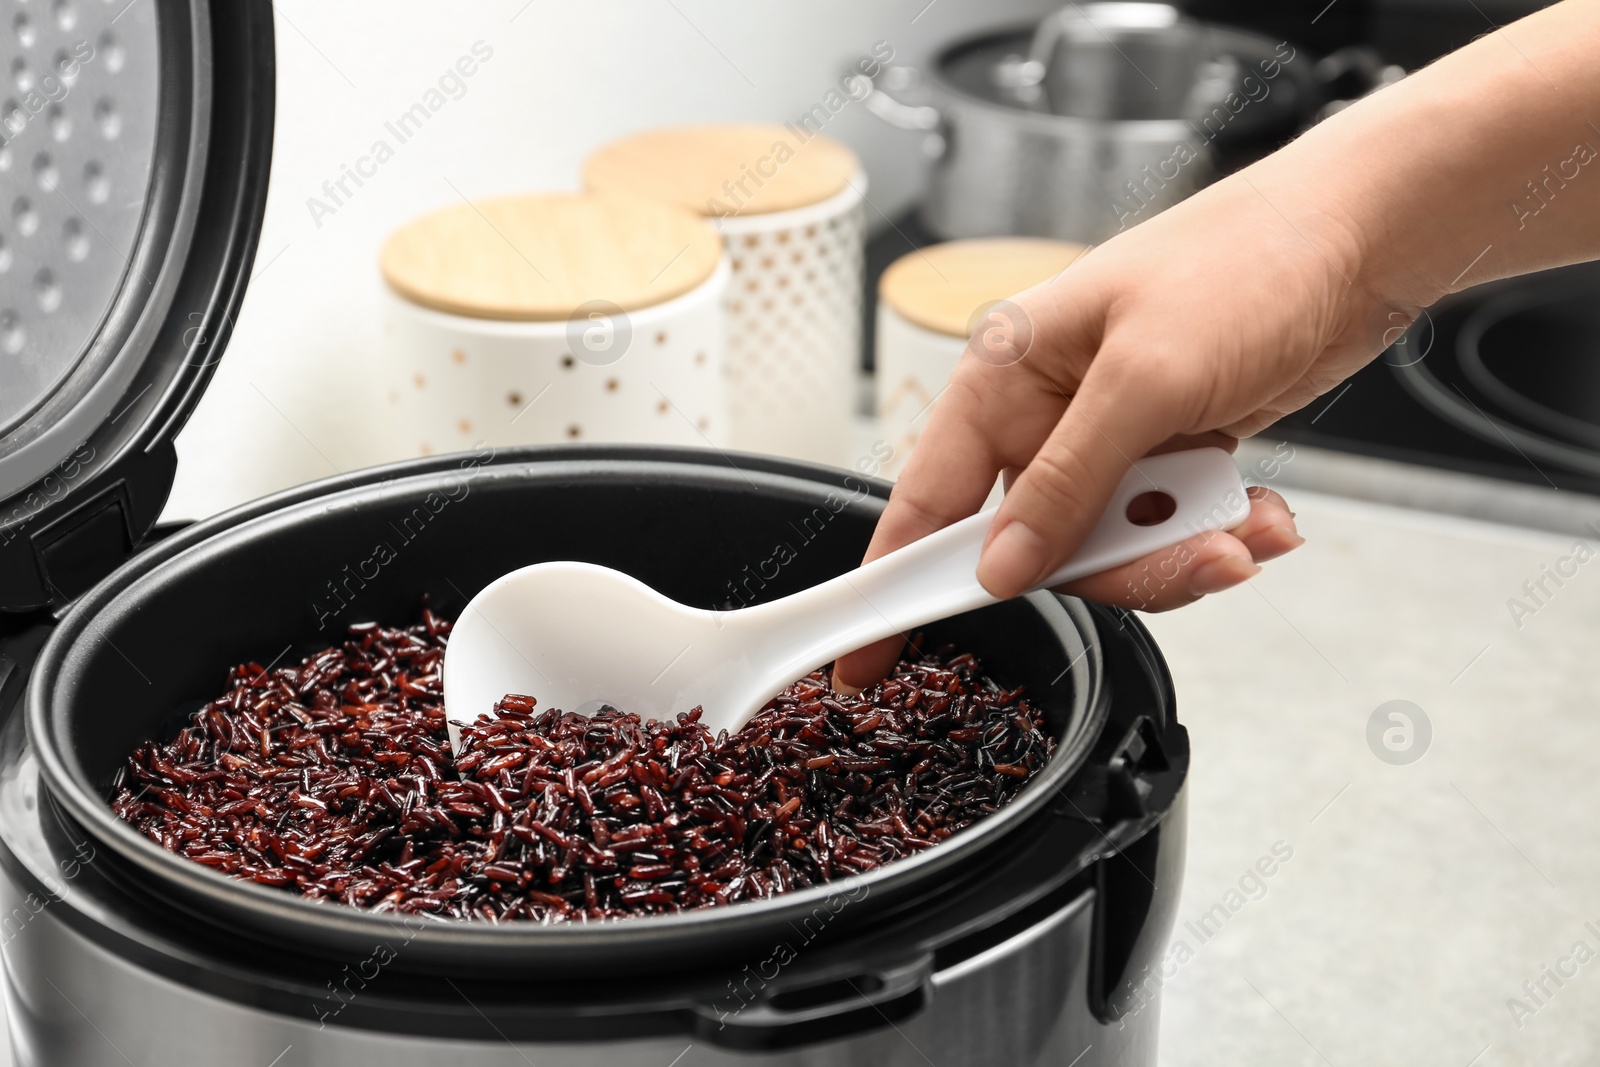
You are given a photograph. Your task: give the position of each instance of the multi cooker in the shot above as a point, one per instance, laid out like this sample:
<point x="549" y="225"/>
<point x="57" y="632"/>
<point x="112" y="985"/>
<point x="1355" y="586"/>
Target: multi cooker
<point x="1027" y="939"/>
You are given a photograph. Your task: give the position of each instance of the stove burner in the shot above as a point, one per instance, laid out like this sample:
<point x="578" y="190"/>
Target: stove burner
<point x="1499" y="381"/>
<point x="1516" y="368"/>
<point x="1535" y="355"/>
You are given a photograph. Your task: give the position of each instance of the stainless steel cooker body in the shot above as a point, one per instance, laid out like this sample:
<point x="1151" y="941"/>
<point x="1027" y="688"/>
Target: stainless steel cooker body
<point x="73" y="1001"/>
<point x="1032" y="946"/>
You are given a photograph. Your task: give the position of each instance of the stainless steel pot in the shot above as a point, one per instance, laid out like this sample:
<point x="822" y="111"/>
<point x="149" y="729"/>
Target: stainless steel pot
<point x="1091" y="122"/>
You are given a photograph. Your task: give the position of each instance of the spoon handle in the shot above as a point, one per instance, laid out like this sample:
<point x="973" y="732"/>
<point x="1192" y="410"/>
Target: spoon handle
<point x="936" y="577"/>
<point x="1204" y="485"/>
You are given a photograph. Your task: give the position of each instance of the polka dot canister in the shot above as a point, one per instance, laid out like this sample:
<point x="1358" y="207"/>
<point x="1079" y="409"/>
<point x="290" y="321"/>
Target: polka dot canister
<point x="789" y="202"/>
<point x="551" y="318"/>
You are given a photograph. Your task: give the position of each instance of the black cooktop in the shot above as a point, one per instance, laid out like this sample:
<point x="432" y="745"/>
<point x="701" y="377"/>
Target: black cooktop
<point x="1501" y="380"/>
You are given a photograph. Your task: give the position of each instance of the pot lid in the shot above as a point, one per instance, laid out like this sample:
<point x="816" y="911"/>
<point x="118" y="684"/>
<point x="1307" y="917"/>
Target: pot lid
<point x="544" y="257"/>
<point x="943" y="287"/>
<point x="727" y="168"/>
<point x="133" y="166"/>
<point x="1134" y="62"/>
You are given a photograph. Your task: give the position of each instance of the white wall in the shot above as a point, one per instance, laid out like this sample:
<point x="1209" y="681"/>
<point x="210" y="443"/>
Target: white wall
<point x="563" y="78"/>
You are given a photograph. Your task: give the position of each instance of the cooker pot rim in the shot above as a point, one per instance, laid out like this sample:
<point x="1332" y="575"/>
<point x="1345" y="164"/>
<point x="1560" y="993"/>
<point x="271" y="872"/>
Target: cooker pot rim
<point x="337" y="926"/>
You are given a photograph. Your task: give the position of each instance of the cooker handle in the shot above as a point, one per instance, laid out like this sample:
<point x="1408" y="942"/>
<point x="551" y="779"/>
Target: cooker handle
<point x="759" y="1014"/>
<point x="1137" y="884"/>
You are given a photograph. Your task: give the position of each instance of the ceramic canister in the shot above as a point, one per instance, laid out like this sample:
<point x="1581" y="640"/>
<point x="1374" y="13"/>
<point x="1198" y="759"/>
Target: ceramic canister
<point x="930" y="302"/>
<point x="560" y="317"/>
<point x="789" y="202"/>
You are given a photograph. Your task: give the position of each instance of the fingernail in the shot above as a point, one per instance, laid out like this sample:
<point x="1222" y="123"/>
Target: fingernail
<point x="1289" y="536"/>
<point x="1015" y="561"/>
<point x="1221" y="574"/>
<point x="1270" y="542"/>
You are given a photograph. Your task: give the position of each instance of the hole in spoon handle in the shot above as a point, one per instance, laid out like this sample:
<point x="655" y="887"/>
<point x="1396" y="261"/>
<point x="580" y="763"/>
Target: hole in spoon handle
<point x="1206" y="492"/>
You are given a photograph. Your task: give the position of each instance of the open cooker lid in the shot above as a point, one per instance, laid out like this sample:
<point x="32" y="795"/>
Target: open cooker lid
<point x="135" y="139"/>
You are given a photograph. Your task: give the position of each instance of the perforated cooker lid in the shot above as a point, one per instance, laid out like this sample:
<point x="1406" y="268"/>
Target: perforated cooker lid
<point x="135" y="138"/>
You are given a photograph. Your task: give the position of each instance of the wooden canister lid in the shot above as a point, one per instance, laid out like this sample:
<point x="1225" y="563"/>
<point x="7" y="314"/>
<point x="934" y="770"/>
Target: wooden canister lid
<point x="942" y="287"/>
<point x="542" y="257"/>
<point x="727" y="168"/>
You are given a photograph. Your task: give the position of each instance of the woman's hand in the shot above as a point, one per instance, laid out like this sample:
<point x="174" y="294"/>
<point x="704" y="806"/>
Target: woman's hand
<point x="1204" y="324"/>
<point x="1249" y="300"/>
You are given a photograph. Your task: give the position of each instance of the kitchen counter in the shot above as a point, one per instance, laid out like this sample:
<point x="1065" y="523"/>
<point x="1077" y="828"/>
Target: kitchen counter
<point x="1417" y="898"/>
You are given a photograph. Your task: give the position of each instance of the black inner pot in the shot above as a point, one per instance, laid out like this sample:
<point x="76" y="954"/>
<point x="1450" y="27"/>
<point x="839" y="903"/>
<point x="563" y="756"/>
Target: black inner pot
<point x="285" y="575"/>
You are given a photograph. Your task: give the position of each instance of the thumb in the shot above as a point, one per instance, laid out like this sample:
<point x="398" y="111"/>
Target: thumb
<point x="1115" y="418"/>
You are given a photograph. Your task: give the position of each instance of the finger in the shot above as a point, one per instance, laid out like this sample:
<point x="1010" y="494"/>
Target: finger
<point x="950" y="472"/>
<point x="1269" y="499"/>
<point x="996" y="411"/>
<point x="1115" y="417"/>
<point x="946" y="478"/>
<point x="1268" y="532"/>
<point x="1203" y="564"/>
<point x="1270" y="529"/>
<point x="855" y="671"/>
<point x="1182" y="442"/>
<point x="991" y="415"/>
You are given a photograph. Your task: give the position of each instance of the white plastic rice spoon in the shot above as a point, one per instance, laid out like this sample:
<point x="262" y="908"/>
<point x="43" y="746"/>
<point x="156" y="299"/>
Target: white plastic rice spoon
<point x="577" y="636"/>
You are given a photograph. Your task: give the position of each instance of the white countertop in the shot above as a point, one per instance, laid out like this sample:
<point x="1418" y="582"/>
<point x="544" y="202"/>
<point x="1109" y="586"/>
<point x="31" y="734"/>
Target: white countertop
<point x="1418" y="898"/>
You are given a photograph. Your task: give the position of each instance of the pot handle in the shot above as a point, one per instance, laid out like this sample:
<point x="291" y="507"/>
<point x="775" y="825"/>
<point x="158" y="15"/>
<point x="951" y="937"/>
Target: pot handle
<point x="918" y="118"/>
<point x="827" y="1007"/>
<point x="1349" y="74"/>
